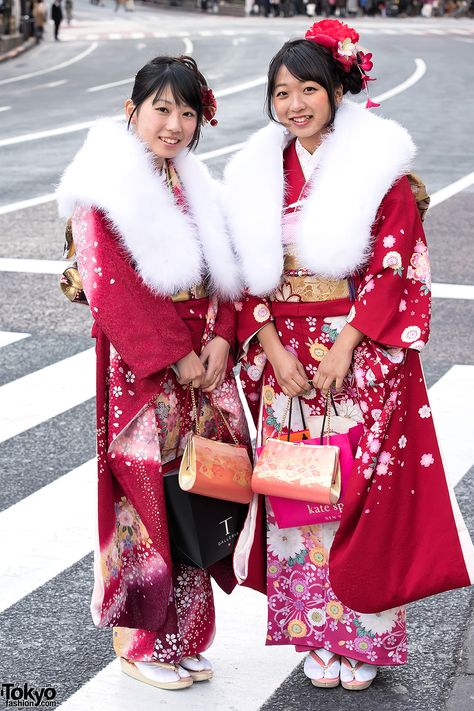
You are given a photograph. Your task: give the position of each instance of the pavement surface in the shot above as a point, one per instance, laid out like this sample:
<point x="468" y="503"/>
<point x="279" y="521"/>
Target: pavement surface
<point x="48" y="97"/>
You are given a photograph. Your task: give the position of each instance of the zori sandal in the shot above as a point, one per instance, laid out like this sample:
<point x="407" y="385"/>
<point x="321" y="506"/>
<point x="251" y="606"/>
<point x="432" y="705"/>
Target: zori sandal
<point x="198" y="666"/>
<point x="355" y="675"/>
<point x="323" y="667"/>
<point x="163" y="676"/>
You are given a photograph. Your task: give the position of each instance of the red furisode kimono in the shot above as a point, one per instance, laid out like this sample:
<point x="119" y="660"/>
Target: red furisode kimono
<point x="346" y="252"/>
<point x="160" y="611"/>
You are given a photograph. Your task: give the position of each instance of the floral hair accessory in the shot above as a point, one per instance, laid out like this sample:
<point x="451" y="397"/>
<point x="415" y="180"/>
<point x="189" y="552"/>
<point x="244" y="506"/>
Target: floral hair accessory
<point x="342" y="41"/>
<point x="209" y="105"/>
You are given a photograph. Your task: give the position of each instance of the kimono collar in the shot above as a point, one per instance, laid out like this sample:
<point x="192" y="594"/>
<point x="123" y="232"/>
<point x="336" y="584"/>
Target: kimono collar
<point x="115" y="173"/>
<point x="359" y="160"/>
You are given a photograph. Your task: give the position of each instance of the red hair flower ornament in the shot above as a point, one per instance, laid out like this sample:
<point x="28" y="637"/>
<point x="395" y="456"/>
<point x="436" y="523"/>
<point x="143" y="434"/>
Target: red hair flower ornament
<point x="209" y="106"/>
<point x="342" y="41"/>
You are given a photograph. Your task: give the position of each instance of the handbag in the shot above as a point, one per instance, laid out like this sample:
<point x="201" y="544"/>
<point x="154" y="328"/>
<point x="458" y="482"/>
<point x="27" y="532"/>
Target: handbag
<point x="289" y="513"/>
<point x="202" y="530"/>
<point x="220" y="470"/>
<point x="305" y="470"/>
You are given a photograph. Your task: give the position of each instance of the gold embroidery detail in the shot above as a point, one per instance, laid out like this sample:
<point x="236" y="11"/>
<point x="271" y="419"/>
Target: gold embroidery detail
<point x="307" y="287"/>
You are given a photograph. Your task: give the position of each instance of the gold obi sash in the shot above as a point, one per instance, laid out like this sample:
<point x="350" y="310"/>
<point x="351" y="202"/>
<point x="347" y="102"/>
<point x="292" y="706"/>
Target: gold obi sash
<point x="300" y="285"/>
<point x="196" y="292"/>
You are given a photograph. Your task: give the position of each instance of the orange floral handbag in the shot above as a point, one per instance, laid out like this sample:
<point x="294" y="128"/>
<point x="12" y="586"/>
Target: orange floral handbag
<point x="217" y="469"/>
<point x="306" y="471"/>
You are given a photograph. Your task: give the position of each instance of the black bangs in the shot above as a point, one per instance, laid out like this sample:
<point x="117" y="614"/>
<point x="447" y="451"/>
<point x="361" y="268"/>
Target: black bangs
<point x="183" y="86"/>
<point x="183" y="78"/>
<point x="307" y="61"/>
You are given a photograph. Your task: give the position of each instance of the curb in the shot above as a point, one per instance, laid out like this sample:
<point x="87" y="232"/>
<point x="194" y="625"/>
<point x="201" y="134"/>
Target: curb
<point x="29" y="44"/>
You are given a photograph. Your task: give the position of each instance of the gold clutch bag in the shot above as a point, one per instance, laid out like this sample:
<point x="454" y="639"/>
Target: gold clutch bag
<point x="304" y="471"/>
<point x="217" y="469"/>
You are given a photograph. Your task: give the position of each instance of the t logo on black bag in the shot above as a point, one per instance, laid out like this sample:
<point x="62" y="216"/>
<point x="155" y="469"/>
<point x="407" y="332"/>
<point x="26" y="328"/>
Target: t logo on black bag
<point x="226" y="524"/>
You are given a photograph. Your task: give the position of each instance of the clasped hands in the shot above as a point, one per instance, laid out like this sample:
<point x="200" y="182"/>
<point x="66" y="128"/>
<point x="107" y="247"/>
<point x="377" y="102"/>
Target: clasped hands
<point x="206" y="371"/>
<point x="292" y="377"/>
<point x="290" y="372"/>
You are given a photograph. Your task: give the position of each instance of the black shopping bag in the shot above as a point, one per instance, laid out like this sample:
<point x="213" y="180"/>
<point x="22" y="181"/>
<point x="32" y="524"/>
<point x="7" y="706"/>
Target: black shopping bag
<point x="202" y="530"/>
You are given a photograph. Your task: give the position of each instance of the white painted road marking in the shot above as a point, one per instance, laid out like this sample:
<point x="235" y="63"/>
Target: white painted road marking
<point x="245" y="672"/>
<point x="452" y="291"/>
<point x="415" y="77"/>
<point x="7" y="337"/>
<point x="452" y="189"/>
<point x="60" y="131"/>
<point x="57" y="266"/>
<point x="436" y="199"/>
<point x="46" y="393"/>
<point x="448" y="398"/>
<point x="69" y="505"/>
<point x="54" y="528"/>
<point x="39" y="72"/>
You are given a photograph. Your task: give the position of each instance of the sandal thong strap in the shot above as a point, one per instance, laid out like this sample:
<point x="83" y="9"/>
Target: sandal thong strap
<point x="354" y="668"/>
<point x="314" y="655"/>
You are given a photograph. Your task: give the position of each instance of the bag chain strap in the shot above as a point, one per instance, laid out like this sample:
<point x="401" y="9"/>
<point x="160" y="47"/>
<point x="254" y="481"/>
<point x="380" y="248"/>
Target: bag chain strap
<point x="196" y="418"/>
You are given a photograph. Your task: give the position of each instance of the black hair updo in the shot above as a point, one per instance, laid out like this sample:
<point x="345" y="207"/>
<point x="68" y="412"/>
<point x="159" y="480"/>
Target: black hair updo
<point x="309" y="61"/>
<point x="184" y="79"/>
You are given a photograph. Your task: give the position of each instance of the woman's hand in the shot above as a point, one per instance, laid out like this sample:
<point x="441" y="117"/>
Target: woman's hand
<point x="289" y="372"/>
<point x="333" y="369"/>
<point x="336" y="363"/>
<point x="214" y="358"/>
<point x="190" y="370"/>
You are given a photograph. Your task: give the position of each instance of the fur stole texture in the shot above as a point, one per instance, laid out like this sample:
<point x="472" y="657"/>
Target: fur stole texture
<point x="358" y="162"/>
<point x="115" y="173"/>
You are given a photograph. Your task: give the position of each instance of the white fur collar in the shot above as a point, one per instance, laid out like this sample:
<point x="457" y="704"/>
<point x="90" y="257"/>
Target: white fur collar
<point x="114" y="172"/>
<point x="358" y="163"/>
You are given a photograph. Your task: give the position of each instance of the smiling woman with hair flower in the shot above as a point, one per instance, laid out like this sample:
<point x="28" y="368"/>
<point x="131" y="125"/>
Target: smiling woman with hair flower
<point x="333" y="253"/>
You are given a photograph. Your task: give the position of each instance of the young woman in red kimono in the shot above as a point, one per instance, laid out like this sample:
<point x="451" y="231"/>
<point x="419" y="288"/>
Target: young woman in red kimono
<point x="334" y="256"/>
<point x="153" y="257"/>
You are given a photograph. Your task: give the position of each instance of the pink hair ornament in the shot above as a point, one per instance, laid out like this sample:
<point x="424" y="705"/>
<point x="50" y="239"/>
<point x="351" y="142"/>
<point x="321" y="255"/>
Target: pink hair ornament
<point x="342" y="41"/>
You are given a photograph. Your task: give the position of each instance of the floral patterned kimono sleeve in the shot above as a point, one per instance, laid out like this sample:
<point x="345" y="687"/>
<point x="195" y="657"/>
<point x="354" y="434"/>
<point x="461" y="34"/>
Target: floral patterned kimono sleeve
<point x="393" y="303"/>
<point x="144" y="328"/>
<point x="253" y="313"/>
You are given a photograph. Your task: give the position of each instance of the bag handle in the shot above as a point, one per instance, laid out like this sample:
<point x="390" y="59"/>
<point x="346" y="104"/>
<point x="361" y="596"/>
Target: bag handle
<point x="326" y="418"/>
<point x="196" y="418"/>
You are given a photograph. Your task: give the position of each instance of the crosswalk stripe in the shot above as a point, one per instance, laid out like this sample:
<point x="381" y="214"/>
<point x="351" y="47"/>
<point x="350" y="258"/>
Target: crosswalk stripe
<point x="242" y="681"/>
<point x="454" y="433"/>
<point x="57" y="266"/>
<point x="46" y="393"/>
<point x="453" y="425"/>
<point x="8" y="337"/>
<point x="33" y="266"/>
<point x="54" y="529"/>
<point x="452" y="291"/>
<point x="50" y="530"/>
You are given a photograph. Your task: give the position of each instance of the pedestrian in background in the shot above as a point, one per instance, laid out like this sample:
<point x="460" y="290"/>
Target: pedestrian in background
<point x="57" y="17"/>
<point x="69" y="5"/>
<point x="39" y="13"/>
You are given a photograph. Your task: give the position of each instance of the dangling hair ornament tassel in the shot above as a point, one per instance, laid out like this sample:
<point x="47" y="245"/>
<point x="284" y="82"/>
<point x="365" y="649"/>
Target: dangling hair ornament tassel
<point x="342" y="41"/>
<point x="209" y="106"/>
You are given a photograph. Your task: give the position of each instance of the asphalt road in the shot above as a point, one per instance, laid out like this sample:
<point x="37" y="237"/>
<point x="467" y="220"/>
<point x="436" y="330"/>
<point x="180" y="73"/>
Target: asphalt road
<point x="47" y="636"/>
